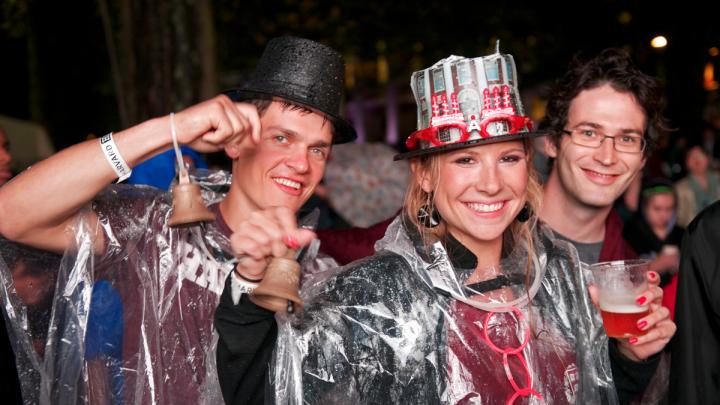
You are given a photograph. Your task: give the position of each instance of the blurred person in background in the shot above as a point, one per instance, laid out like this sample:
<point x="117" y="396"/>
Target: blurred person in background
<point x="652" y="232"/>
<point x="675" y="158"/>
<point x="711" y="133"/>
<point x="363" y="184"/>
<point x="654" y="235"/>
<point x="711" y="144"/>
<point x="699" y="189"/>
<point x="366" y="188"/>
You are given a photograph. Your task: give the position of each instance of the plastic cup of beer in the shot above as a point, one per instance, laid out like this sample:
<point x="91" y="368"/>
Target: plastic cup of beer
<point x="619" y="283"/>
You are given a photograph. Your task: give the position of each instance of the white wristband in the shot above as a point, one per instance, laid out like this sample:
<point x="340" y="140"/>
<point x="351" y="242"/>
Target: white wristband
<point x="239" y="287"/>
<point x="112" y="154"/>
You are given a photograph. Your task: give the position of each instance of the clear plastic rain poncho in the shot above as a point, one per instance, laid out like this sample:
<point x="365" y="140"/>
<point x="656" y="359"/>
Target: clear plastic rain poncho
<point x="130" y="325"/>
<point x="401" y="328"/>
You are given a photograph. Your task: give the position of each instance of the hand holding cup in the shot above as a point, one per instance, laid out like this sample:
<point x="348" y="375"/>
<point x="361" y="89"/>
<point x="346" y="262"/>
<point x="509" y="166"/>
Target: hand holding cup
<point x="630" y="302"/>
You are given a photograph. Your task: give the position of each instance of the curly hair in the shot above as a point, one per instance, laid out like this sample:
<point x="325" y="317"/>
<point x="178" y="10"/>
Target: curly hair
<point x="613" y="67"/>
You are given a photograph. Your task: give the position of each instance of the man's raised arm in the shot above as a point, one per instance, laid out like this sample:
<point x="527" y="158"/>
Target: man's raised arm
<point x="37" y="206"/>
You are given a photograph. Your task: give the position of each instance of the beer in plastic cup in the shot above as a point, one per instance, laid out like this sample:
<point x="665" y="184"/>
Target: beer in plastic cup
<point x="619" y="283"/>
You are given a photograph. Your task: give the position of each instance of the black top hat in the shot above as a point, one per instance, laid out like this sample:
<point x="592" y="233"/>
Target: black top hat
<point x="304" y="72"/>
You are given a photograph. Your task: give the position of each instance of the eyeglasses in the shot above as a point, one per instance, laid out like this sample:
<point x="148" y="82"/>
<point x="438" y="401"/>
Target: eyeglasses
<point x="592" y="138"/>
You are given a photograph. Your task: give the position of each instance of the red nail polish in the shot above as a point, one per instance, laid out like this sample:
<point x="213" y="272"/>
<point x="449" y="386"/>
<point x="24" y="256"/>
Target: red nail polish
<point x="633" y="341"/>
<point x="641" y="325"/>
<point x="291" y="242"/>
<point x="641" y="300"/>
<point x="652" y="275"/>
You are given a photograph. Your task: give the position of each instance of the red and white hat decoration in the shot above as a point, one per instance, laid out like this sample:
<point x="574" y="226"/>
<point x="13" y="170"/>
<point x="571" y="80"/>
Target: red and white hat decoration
<point x="462" y="102"/>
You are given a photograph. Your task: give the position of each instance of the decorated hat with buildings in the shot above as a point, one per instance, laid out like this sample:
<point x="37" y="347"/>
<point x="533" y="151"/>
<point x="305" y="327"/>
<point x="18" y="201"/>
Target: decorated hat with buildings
<point x="464" y="102"/>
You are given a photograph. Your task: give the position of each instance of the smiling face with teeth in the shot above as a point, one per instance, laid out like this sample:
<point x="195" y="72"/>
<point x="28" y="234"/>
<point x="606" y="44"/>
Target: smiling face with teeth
<point x="596" y="177"/>
<point x="285" y="167"/>
<point x="478" y="192"/>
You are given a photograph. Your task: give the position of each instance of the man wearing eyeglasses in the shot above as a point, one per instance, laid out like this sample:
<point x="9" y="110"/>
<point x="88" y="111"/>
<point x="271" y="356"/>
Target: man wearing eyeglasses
<point x="603" y="118"/>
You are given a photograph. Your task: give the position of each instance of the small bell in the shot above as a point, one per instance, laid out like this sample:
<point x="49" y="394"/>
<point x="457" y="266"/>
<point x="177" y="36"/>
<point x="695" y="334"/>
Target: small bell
<point x="279" y="289"/>
<point x="188" y="207"/>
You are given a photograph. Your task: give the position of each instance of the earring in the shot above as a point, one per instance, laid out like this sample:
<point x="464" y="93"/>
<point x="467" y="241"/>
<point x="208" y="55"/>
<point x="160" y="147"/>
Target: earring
<point x="428" y="216"/>
<point x="524" y="214"/>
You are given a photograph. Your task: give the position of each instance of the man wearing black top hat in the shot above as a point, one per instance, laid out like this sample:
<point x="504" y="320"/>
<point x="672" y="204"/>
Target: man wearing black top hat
<point x="278" y="131"/>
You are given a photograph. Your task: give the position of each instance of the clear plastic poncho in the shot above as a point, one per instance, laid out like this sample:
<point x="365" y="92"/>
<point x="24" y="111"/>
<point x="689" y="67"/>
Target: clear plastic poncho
<point x="130" y="325"/>
<point x="402" y="327"/>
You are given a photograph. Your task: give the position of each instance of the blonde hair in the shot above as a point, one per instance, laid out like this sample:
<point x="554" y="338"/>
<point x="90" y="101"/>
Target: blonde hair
<point x="518" y="232"/>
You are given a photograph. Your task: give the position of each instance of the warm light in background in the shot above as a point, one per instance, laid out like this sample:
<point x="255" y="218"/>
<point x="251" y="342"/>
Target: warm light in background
<point x="659" y="42"/>
<point x="714" y="51"/>
<point x="350" y="71"/>
<point x="383" y="70"/>
<point x="624" y="18"/>
<point x="709" y="82"/>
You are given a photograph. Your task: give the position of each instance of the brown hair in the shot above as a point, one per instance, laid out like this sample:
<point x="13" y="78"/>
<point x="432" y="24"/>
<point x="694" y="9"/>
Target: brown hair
<point x="615" y="68"/>
<point x="262" y="104"/>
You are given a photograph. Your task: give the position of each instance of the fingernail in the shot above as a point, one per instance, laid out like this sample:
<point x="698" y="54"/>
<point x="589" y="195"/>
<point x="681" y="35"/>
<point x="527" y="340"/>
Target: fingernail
<point x="633" y="341"/>
<point x="641" y="300"/>
<point x="291" y="242"/>
<point x="641" y="325"/>
<point x="652" y="275"/>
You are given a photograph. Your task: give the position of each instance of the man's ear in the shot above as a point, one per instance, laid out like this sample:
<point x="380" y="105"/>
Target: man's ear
<point x="239" y="146"/>
<point x="551" y="149"/>
<point x="421" y="176"/>
<point x="232" y="150"/>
